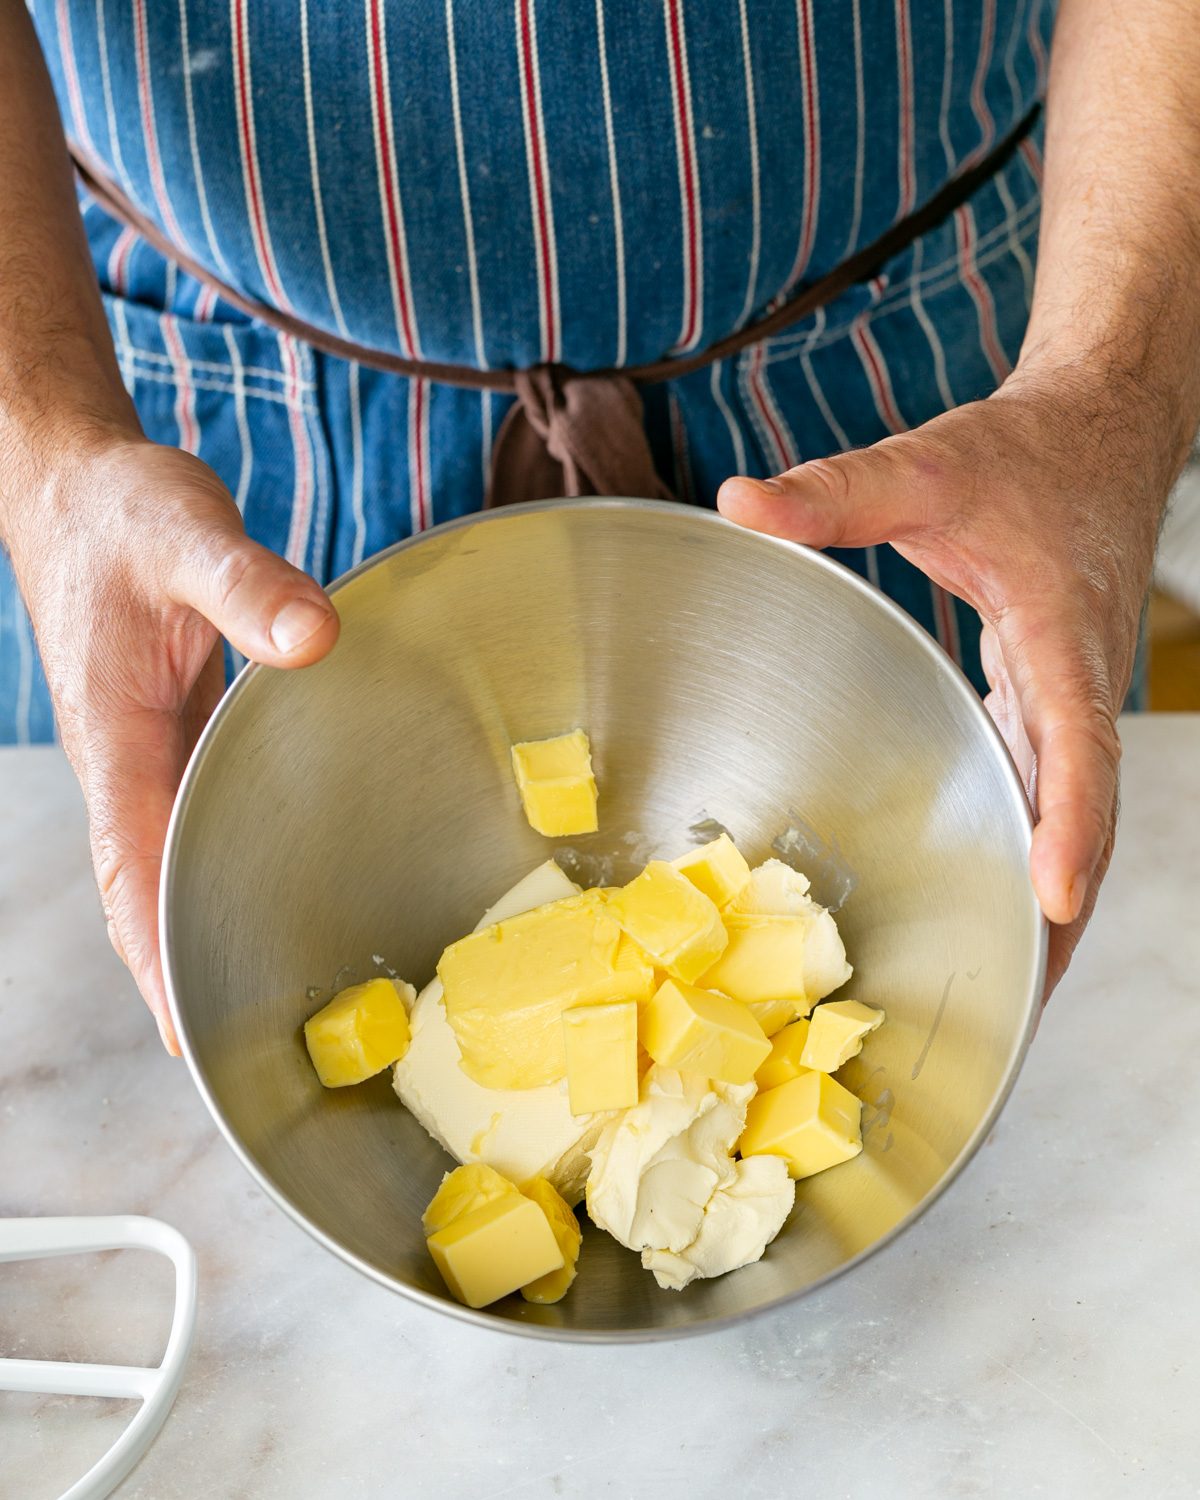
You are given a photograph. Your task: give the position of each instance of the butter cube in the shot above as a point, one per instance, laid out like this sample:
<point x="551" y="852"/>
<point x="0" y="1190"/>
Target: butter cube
<point x="565" y="1227"/>
<point x="718" y="869"/>
<point x="496" y="1249"/>
<point x="557" y="787"/>
<point x="784" y="1062"/>
<point x="507" y="986"/>
<point x="764" y="960"/>
<point x="359" y="1033"/>
<point x="462" y="1191"/>
<point x="675" y="924"/>
<point x="776" y="890"/>
<point x="836" y="1033"/>
<point x="772" y="1015"/>
<point x="698" y="1031"/>
<point x="811" y="1121"/>
<point x="601" y="1044"/>
<point x="637" y="977"/>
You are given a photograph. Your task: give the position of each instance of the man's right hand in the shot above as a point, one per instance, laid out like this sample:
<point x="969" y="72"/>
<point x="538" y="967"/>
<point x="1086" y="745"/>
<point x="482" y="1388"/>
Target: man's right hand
<point x="133" y="561"/>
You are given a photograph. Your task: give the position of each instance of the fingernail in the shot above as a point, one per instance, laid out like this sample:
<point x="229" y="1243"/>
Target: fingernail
<point x="1075" y="896"/>
<point x="168" y="1041"/>
<point x="296" y="623"/>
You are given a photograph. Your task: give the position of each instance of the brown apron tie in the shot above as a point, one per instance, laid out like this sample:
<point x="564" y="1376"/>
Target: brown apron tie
<point x="574" y="432"/>
<point x="573" y="435"/>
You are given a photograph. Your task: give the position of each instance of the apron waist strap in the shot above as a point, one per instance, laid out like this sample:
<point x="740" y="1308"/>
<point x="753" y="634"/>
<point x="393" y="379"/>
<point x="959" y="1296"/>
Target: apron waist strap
<point x="574" y="432"/>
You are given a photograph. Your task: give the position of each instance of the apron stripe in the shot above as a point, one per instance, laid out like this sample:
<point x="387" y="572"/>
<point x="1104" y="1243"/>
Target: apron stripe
<point x="1010" y="60"/>
<point x="1036" y="46"/>
<point x="464" y="191"/>
<point x="118" y="261"/>
<point x="300" y="524"/>
<point x="541" y="203"/>
<point x="936" y="348"/>
<point x="983" y="63"/>
<point x="185" y="67"/>
<point x="947" y="82"/>
<point x="689" y="183"/>
<point x="185" y="396"/>
<point x="71" y="75"/>
<point x="615" y="191"/>
<point x="251" y="182"/>
<point x="755" y="185"/>
<point x="389" y="185"/>
<point x="733" y="426"/>
<point x="110" y="114"/>
<point x="356" y="467"/>
<point x="904" y="59"/>
<point x="1012" y="236"/>
<point x="860" y="131"/>
<point x="150" y="127"/>
<point x="246" y="447"/>
<point x="964" y="223"/>
<point x="812" y="139"/>
<point x="875" y="368"/>
<point x="780" y="442"/>
<point x="206" y="304"/>
<point x="818" y="392"/>
<point x="315" y="174"/>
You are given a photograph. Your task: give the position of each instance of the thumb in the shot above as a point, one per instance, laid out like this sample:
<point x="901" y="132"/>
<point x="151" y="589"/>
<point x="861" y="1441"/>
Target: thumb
<point x="272" y="612"/>
<point x="855" y="499"/>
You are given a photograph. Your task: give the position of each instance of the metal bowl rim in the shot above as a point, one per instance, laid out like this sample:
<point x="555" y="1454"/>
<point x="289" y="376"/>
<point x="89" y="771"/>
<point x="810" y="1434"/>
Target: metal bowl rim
<point x="481" y="1318"/>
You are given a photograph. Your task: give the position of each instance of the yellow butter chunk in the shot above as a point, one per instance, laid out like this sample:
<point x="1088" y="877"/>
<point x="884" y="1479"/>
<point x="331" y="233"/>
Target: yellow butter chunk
<point x="565" y="1227"/>
<point x="772" y="1015"/>
<point x="462" y="1191"/>
<point x="675" y="924"/>
<point x="811" y="1121"/>
<point x="601" y="1043"/>
<point x="495" y="1249"/>
<point x="359" y="1033"/>
<point x="557" y="787"/>
<point x="697" y="1031"/>
<point x="638" y="978"/>
<point x="764" y="961"/>
<point x="784" y="1061"/>
<point x="507" y="986"/>
<point x="718" y="869"/>
<point x="836" y="1033"/>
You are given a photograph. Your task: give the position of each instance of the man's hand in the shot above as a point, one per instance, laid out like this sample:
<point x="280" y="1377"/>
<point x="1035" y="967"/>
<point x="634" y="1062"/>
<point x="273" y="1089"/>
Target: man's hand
<point x="133" y="562"/>
<point x="1040" y="509"/>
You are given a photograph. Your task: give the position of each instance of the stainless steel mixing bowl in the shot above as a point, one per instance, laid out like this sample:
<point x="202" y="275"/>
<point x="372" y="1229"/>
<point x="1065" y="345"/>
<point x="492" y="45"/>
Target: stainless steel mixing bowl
<point x="363" y="811"/>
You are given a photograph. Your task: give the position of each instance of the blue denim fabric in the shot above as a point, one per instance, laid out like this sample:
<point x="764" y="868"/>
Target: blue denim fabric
<point x="334" y="460"/>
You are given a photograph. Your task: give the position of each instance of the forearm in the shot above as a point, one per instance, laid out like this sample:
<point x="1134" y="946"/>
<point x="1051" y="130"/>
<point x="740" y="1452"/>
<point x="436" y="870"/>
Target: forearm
<point x="1117" y="295"/>
<point x="59" y="380"/>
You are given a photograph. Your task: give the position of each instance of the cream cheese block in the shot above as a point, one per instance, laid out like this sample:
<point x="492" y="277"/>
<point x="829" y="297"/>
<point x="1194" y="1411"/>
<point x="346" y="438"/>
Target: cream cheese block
<point x="664" y="1180"/>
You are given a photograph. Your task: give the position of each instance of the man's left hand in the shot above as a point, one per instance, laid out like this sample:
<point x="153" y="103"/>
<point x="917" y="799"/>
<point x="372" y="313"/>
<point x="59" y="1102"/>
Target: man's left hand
<point x="1040" y="507"/>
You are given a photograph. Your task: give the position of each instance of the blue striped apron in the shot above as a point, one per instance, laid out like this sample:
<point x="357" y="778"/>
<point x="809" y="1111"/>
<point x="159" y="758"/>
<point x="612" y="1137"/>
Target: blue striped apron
<point x="599" y="183"/>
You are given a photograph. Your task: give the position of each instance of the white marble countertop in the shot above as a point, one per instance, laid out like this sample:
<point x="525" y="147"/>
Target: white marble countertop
<point x="1034" y="1334"/>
